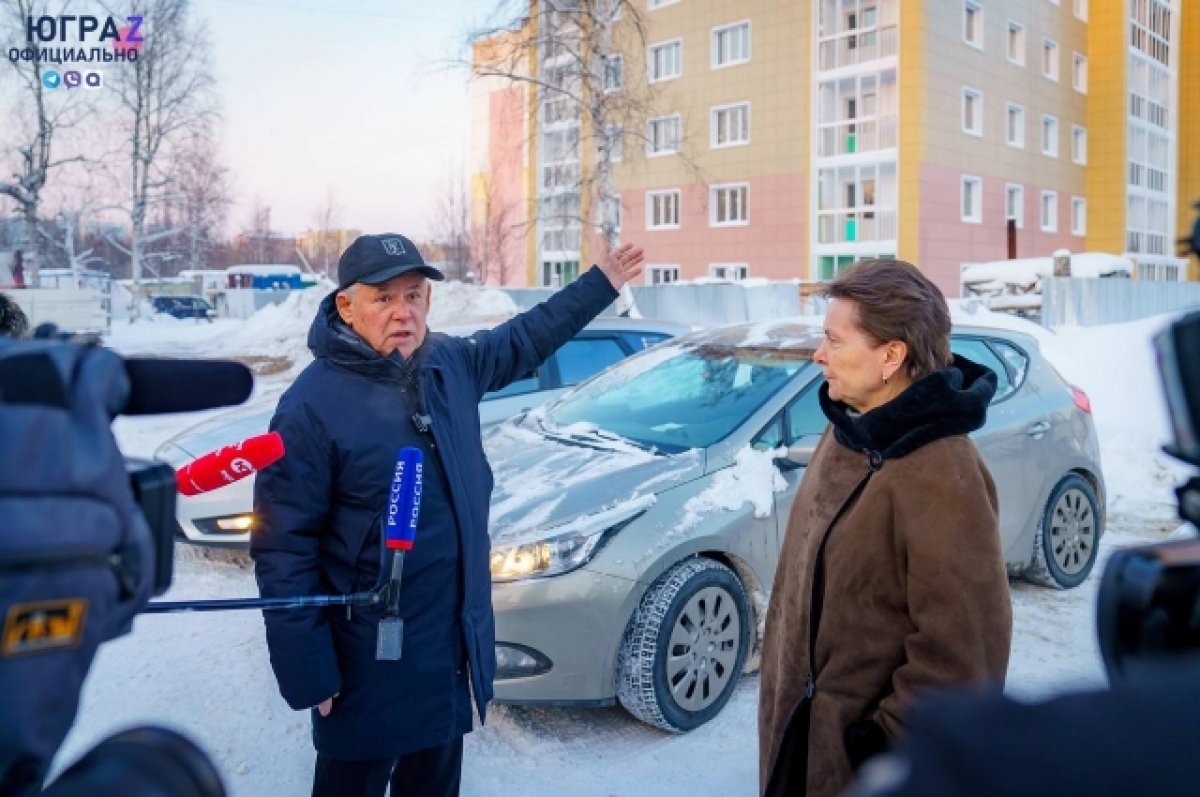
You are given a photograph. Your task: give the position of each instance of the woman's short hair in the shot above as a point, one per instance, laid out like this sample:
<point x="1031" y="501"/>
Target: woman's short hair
<point x="897" y="302"/>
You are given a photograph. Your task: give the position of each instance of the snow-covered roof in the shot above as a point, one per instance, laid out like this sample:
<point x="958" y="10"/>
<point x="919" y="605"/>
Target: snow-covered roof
<point x="1028" y="270"/>
<point x="264" y="269"/>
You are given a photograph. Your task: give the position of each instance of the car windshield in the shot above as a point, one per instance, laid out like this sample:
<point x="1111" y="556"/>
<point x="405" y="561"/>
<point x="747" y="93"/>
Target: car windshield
<point x="676" y="397"/>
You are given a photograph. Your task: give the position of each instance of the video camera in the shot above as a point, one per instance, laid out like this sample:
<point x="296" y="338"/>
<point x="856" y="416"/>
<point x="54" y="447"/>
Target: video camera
<point x="86" y="538"/>
<point x="1148" y="607"/>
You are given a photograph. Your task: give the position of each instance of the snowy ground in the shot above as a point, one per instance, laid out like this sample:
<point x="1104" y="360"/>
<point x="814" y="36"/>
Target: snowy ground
<point x="208" y="674"/>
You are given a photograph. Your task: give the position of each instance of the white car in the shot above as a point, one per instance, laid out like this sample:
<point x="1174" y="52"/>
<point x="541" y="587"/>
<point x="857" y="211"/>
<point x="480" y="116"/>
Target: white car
<point x="225" y="516"/>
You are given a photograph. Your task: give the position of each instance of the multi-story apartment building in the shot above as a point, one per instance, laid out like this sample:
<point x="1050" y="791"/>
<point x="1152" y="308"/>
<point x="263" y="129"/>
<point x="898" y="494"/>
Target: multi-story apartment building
<point x="500" y="190"/>
<point x="788" y="140"/>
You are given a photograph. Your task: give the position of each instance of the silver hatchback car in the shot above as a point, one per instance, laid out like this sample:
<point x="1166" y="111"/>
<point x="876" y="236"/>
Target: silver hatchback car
<point x="637" y="520"/>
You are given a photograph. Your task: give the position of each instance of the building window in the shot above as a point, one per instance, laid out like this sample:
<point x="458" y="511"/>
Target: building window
<point x="614" y="72"/>
<point x="728" y="205"/>
<point x="972" y="111"/>
<point x="1016" y="43"/>
<point x="612" y="211"/>
<point x="1049" y="211"/>
<point x="661" y="275"/>
<point x="663" y="137"/>
<point x="662" y="210"/>
<point x="972" y="199"/>
<point x="615" y="140"/>
<point x="1078" y="145"/>
<point x="973" y="24"/>
<point x="1014" y="126"/>
<point x="1078" y="216"/>
<point x="731" y="45"/>
<point x="558" y="273"/>
<point x="1049" y="136"/>
<point x="1081" y="9"/>
<point x="1014" y="204"/>
<point x="728" y="271"/>
<point x="731" y="125"/>
<point x="1079" y="73"/>
<point x="666" y="60"/>
<point x="1050" y="59"/>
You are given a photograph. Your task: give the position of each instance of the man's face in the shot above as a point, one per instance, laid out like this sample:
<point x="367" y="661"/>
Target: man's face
<point x="389" y="316"/>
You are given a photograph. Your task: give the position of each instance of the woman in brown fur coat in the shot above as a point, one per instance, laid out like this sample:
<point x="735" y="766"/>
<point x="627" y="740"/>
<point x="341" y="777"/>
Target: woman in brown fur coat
<point x="891" y="580"/>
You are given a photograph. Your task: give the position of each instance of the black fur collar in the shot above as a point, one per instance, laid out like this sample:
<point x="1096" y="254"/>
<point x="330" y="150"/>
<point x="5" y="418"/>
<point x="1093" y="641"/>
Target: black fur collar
<point x="948" y="402"/>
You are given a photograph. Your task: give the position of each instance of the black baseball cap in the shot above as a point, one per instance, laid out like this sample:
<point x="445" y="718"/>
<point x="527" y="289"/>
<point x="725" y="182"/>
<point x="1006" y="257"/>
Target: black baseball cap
<point x="378" y="258"/>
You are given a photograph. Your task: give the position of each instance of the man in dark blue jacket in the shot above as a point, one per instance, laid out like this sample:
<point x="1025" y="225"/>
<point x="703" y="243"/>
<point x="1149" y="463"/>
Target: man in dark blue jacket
<point x="381" y="381"/>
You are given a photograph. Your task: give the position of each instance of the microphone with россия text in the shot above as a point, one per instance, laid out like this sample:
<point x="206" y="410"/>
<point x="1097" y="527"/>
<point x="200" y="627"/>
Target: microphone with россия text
<point x="399" y="530"/>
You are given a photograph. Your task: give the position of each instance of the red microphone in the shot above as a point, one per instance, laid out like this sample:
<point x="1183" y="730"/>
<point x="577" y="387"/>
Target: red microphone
<point x="229" y="464"/>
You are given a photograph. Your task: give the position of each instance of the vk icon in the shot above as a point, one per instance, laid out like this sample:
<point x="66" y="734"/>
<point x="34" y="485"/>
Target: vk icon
<point x="51" y="79"/>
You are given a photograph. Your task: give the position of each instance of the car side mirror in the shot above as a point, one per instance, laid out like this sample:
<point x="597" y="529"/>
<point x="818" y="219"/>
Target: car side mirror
<point x="799" y="453"/>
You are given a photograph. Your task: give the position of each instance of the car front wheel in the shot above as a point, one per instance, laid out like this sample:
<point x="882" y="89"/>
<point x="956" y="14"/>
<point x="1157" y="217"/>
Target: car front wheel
<point x="1068" y="537"/>
<point x="685" y="647"/>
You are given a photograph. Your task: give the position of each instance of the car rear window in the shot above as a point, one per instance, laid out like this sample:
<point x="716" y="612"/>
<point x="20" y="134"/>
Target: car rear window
<point x="583" y="357"/>
<point x="979" y="351"/>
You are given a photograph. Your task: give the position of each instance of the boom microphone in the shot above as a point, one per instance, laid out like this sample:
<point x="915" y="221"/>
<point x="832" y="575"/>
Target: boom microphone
<point x="161" y="385"/>
<point x="229" y="464"/>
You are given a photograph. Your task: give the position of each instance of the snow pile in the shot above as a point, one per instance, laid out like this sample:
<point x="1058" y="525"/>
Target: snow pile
<point x="1115" y="366"/>
<point x="752" y="479"/>
<point x="279" y="330"/>
<point x="1016" y="285"/>
<point x="1028" y="271"/>
<point x="455" y="304"/>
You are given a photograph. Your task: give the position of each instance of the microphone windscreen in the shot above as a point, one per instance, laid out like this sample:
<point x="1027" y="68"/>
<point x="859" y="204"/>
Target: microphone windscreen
<point x="229" y="464"/>
<point x="158" y="385"/>
<point x="404" y="499"/>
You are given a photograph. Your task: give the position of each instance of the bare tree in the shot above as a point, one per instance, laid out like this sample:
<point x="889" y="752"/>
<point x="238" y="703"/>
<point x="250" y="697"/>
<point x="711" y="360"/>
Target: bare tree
<point x="164" y="94"/>
<point x="451" y="223"/>
<point x="584" y="88"/>
<point x="42" y="125"/>
<point x="203" y="193"/>
<point x="493" y="231"/>
<point x="327" y="238"/>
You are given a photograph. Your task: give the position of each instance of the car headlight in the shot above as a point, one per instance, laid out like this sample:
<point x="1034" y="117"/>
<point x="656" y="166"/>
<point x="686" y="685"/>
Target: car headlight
<point x="566" y="547"/>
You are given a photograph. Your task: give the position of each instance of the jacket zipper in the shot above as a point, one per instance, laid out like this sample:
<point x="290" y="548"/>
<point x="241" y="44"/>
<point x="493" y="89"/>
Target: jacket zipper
<point x="874" y="462"/>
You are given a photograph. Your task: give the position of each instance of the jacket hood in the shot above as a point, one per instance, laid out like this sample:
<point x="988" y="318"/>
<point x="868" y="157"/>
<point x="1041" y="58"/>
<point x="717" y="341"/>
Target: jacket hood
<point x="948" y="402"/>
<point x="329" y="338"/>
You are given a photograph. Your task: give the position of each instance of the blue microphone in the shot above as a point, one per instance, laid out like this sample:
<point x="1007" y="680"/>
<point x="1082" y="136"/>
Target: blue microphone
<point x="399" y="532"/>
<point x="404" y="500"/>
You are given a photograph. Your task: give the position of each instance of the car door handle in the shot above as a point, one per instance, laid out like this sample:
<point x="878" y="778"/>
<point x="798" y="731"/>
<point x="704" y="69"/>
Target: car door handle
<point x="1038" y="429"/>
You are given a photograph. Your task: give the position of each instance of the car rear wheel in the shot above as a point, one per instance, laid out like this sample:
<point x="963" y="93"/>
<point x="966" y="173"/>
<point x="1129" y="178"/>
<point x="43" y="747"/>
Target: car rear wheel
<point x="685" y="647"/>
<point x="1068" y="537"/>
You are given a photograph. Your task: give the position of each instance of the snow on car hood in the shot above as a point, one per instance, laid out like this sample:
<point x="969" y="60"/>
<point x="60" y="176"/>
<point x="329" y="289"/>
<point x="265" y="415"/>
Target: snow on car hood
<point x="547" y="480"/>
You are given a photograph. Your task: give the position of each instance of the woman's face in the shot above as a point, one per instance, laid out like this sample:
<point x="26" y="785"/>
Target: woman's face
<point x="854" y="364"/>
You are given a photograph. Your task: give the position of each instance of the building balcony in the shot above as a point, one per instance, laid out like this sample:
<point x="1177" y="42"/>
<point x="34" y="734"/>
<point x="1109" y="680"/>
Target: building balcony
<point x="851" y="49"/>
<point x="856" y="226"/>
<point x="849" y="138"/>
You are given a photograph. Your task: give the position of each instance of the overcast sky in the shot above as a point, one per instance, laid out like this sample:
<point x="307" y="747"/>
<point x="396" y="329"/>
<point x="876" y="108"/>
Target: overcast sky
<point x="354" y="96"/>
<point x="363" y="98"/>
